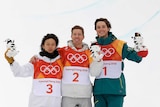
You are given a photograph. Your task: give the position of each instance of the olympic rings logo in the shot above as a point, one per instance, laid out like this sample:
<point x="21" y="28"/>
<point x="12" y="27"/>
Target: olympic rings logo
<point x="50" y="69"/>
<point x="76" y="58"/>
<point x="108" y="52"/>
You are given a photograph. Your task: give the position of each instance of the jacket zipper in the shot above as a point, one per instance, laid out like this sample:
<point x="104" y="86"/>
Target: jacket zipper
<point x="121" y="84"/>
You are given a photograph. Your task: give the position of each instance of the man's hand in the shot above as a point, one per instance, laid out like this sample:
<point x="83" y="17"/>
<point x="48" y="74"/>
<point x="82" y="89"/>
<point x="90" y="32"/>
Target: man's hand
<point x="143" y="53"/>
<point x="33" y="59"/>
<point x="9" y="59"/>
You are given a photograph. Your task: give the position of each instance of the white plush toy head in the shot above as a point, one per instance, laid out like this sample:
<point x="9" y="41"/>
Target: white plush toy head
<point x="96" y="52"/>
<point x="138" y="41"/>
<point x="95" y="48"/>
<point x="10" y="44"/>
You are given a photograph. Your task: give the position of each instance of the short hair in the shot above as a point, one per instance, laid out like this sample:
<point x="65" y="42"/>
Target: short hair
<point x="104" y="20"/>
<point x="48" y="36"/>
<point x="77" y="27"/>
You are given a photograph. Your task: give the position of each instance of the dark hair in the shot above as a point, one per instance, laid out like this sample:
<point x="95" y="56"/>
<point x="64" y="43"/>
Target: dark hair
<point x="77" y="27"/>
<point x="104" y="20"/>
<point x="48" y="36"/>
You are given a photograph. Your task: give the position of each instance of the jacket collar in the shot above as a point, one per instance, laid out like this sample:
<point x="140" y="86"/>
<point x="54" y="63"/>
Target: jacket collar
<point x="71" y="45"/>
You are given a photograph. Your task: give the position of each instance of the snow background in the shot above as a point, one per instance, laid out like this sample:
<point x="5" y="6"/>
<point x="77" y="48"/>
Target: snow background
<point x="27" y="21"/>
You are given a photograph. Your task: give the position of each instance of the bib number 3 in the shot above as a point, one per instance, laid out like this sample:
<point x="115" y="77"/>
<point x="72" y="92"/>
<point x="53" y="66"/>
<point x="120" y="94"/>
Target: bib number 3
<point x="49" y="88"/>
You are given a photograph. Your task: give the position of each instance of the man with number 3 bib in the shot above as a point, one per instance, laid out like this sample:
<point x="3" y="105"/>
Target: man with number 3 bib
<point x="46" y="73"/>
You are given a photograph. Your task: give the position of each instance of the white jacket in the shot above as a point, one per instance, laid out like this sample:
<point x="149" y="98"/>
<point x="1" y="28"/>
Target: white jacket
<point x="27" y="70"/>
<point x="81" y="90"/>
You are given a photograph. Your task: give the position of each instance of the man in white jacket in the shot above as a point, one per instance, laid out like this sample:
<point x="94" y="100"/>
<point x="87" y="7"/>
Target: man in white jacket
<point x="46" y="73"/>
<point x="78" y="65"/>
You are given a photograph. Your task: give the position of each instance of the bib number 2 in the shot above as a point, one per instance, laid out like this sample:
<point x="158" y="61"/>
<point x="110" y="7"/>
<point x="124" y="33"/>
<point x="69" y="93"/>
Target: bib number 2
<point x="76" y="77"/>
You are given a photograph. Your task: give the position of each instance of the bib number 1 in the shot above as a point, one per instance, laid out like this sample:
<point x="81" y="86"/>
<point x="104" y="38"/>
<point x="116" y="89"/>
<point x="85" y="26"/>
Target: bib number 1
<point x="105" y="71"/>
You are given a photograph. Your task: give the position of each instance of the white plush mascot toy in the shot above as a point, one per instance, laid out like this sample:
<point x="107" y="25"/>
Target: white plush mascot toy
<point x="139" y="47"/>
<point x="97" y="56"/>
<point x="96" y="52"/>
<point x="12" y="48"/>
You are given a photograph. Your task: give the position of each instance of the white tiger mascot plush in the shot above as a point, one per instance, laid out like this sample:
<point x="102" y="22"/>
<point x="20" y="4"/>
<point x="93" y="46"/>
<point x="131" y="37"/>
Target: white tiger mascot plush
<point x="12" y="48"/>
<point x="139" y="47"/>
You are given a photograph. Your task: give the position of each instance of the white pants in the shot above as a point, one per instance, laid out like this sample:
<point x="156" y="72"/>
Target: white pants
<point x="42" y="101"/>
<point x="76" y="102"/>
